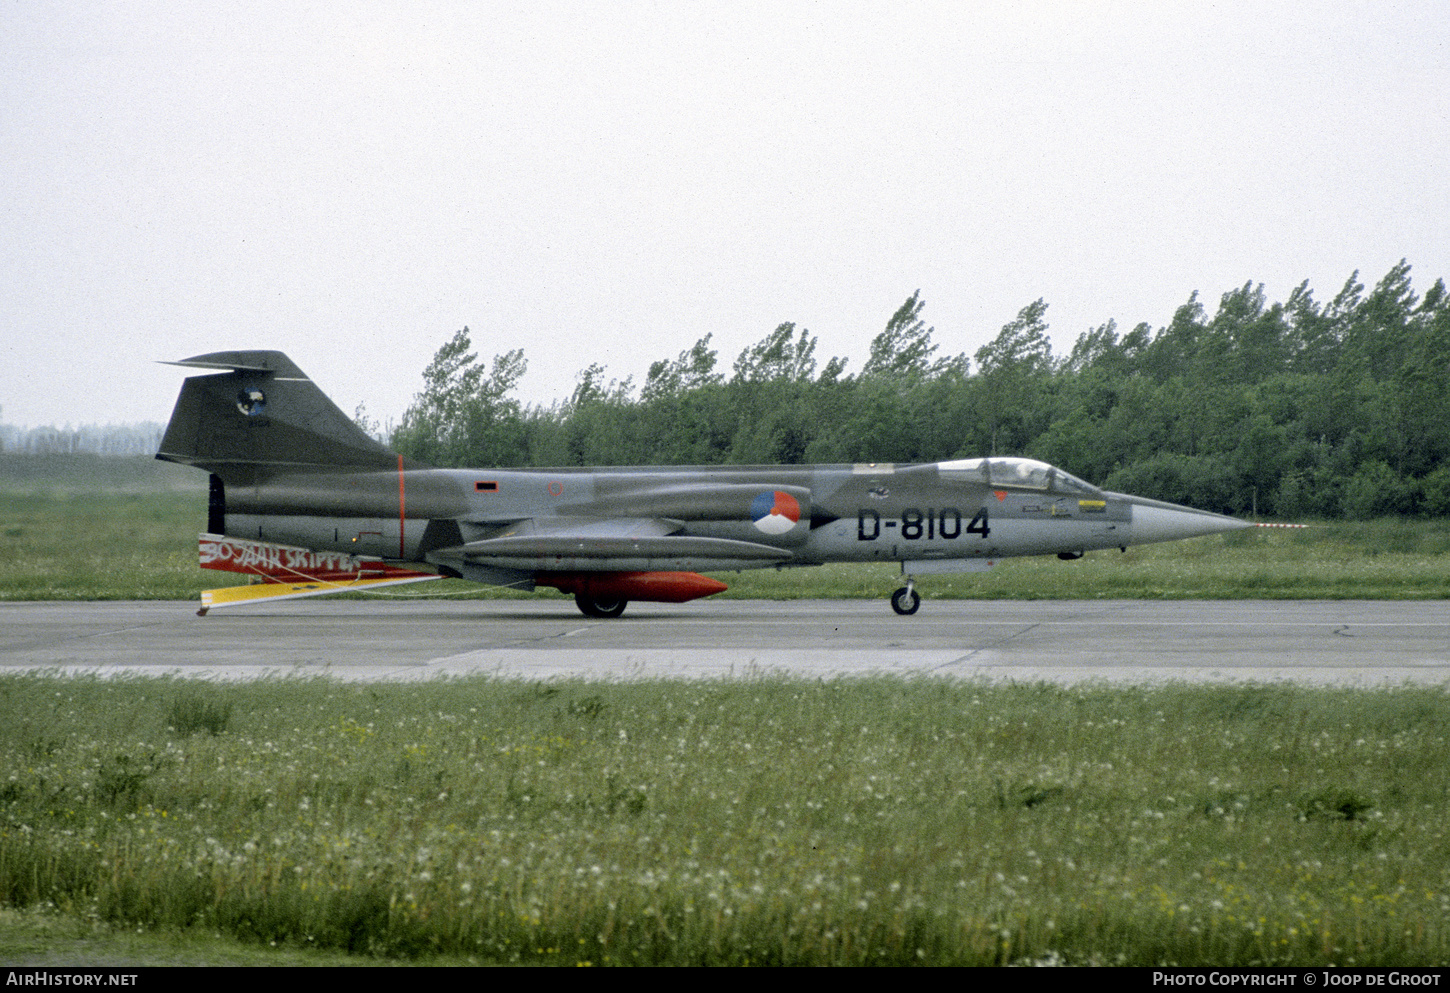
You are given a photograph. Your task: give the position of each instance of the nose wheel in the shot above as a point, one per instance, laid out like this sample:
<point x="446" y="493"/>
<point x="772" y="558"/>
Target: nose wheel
<point x="906" y="600"/>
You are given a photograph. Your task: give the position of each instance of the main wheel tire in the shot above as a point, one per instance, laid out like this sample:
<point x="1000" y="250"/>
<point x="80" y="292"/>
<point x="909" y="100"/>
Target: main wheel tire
<point x="601" y="607"/>
<point x="905" y="601"/>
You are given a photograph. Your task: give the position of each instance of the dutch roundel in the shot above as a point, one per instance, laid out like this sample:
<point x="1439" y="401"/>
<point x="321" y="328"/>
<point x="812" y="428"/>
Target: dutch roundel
<point x="775" y="512"/>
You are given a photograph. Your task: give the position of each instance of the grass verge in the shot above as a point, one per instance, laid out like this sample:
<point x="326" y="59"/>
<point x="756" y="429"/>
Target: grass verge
<point x="744" y="822"/>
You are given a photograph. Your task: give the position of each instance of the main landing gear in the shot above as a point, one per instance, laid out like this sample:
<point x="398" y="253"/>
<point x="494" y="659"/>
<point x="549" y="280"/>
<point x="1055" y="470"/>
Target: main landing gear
<point x="603" y="607"/>
<point x="906" y="600"/>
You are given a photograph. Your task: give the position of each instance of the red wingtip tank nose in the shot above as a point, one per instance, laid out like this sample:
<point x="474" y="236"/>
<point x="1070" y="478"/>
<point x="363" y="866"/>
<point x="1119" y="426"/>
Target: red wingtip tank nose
<point x="653" y="587"/>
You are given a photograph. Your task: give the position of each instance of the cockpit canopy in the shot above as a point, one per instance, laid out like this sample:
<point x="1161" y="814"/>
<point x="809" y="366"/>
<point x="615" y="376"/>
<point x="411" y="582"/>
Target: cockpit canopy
<point x="1028" y="474"/>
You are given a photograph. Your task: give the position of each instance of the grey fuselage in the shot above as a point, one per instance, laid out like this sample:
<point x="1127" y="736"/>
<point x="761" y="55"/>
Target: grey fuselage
<point x="847" y="513"/>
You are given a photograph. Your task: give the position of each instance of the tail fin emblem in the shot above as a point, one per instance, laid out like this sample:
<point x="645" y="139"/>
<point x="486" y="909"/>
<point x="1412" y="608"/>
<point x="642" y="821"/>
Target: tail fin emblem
<point x="251" y="401"/>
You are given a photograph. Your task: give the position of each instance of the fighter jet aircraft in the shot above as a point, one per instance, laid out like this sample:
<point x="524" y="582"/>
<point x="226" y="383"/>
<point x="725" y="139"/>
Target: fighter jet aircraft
<point x="304" y="499"/>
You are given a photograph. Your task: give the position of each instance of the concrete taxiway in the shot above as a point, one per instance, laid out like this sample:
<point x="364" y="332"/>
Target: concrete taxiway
<point x="1362" y="643"/>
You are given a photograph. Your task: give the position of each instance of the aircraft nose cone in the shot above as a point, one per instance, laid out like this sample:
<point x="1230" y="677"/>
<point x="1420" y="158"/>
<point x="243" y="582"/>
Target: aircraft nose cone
<point x="1154" y="520"/>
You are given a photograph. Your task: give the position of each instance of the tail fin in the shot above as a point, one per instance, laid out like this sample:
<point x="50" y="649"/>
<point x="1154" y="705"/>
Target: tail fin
<point x="262" y="417"/>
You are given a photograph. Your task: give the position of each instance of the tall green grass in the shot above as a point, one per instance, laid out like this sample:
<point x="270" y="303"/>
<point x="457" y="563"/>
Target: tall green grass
<point x="742" y="822"/>
<point x="130" y="546"/>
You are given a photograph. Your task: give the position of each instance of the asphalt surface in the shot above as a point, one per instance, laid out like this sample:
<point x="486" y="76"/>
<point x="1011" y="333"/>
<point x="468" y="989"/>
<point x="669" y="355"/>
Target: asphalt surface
<point x="1363" y="643"/>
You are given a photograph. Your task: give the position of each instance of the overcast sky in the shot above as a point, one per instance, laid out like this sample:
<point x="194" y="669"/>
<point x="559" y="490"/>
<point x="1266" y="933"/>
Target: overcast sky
<point x="353" y="182"/>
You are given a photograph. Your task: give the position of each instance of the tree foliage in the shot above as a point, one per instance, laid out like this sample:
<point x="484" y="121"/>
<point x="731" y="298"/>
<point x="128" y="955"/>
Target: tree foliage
<point x="781" y="356"/>
<point x="1293" y="408"/>
<point x="465" y="413"/>
<point x="692" y="370"/>
<point x="904" y="349"/>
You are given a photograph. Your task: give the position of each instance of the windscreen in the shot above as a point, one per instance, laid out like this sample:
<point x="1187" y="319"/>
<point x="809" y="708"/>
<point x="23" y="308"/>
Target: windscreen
<point x="1018" y="473"/>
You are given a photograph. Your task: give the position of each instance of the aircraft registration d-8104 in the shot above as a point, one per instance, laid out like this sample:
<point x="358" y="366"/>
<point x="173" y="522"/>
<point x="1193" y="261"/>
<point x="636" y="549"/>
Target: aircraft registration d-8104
<point x="307" y="501"/>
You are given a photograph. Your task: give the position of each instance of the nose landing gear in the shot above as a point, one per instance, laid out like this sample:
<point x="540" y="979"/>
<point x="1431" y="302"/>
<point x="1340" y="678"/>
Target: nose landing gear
<point x="906" y="600"/>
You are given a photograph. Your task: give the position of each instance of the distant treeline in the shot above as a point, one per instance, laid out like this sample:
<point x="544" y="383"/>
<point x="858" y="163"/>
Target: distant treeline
<point x="1291" y="409"/>
<point x="88" y="472"/>
<point x="95" y="439"/>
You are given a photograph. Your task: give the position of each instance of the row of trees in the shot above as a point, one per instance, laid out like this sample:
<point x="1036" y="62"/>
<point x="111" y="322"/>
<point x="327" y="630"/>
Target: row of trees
<point x="95" y="439"/>
<point x="1292" y="409"/>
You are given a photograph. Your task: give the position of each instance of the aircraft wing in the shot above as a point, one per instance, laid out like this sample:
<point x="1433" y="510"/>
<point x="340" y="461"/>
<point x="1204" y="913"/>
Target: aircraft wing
<point x="613" y="544"/>
<point x="287" y="571"/>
